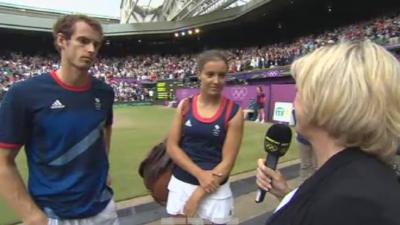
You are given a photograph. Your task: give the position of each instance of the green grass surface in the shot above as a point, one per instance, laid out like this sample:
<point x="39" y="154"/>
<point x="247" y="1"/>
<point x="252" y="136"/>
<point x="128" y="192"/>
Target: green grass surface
<point x="135" y="131"/>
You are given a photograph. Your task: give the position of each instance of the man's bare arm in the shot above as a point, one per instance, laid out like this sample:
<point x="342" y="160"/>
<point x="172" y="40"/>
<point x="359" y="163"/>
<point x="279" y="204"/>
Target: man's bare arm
<point x="13" y="190"/>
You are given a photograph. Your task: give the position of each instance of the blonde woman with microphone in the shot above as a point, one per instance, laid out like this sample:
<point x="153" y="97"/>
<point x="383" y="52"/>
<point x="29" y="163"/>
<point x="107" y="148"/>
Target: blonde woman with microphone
<point x="348" y="107"/>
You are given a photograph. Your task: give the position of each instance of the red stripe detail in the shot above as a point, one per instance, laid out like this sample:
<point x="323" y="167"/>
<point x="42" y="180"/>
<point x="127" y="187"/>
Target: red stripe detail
<point x="9" y="146"/>
<point x="185" y="107"/>
<point x="228" y="113"/>
<point x="68" y="87"/>
<point x="211" y="119"/>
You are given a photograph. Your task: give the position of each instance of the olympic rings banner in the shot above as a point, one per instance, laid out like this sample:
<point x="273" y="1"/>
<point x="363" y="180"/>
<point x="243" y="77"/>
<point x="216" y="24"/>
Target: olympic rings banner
<point x="244" y="95"/>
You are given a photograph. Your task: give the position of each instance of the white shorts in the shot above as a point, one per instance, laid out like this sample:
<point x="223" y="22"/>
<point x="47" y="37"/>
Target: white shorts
<point x="217" y="207"/>
<point x="106" y="217"/>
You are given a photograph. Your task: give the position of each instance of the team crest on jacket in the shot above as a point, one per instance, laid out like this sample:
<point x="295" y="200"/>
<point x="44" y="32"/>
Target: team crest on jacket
<point x="216" y="131"/>
<point x="97" y="103"/>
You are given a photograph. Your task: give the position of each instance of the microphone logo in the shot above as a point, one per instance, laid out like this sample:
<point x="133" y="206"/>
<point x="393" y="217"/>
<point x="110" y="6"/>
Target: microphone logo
<point x="272" y="146"/>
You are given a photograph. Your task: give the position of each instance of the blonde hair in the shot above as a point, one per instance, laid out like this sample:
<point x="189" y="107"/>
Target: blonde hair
<point x="352" y="90"/>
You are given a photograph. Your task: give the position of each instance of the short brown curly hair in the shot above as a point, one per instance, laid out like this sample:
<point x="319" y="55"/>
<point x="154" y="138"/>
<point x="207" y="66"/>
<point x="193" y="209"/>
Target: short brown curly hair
<point x="66" y="26"/>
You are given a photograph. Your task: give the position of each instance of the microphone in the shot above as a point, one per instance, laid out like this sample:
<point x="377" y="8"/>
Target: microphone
<point x="276" y="143"/>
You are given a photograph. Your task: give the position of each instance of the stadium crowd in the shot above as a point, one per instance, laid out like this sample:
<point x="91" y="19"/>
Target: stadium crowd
<point x="126" y="74"/>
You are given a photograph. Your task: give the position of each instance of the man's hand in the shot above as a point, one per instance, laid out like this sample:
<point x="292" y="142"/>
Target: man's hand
<point x="109" y="180"/>
<point x="38" y="219"/>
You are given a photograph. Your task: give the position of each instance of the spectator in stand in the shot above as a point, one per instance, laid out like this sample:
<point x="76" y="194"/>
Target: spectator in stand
<point x="260" y="101"/>
<point x="150" y="68"/>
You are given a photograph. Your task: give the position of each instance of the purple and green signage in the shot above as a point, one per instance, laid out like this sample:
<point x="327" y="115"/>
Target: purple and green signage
<point x="244" y="94"/>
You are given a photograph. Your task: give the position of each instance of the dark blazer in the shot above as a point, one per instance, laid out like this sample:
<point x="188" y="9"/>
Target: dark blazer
<point x="351" y="188"/>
